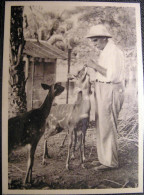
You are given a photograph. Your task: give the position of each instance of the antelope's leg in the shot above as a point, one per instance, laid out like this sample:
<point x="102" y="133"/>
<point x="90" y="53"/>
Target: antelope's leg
<point x="84" y="128"/>
<point x="80" y="148"/>
<point x="83" y="147"/>
<point x="62" y="144"/>
<point x="45" y="153"/>
<point x="74" y="146"/>
<point x="31" y="152"/>
<point x="70" y="141"/>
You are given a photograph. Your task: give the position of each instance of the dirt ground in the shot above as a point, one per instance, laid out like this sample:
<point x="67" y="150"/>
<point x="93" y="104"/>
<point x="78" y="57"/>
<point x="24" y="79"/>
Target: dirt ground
<point x="55" y="176"/>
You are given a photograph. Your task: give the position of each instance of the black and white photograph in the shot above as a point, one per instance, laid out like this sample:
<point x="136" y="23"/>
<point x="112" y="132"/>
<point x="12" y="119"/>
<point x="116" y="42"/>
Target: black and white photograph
<point x="72" y="101"/>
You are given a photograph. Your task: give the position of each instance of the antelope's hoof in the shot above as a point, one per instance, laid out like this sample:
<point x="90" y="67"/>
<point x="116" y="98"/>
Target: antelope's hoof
<point x="47" y="156"/>
<point x="83" y="166"/>
<point x="67" y="167"/>
<point x="62" y="146"/>
<point x="72" y="157"/>
<point x="27" y="184"/>
<point x="44" y="162"/>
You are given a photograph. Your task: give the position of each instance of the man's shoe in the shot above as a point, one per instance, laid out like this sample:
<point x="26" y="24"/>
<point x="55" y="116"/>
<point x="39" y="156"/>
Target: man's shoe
<point x="102" y="168"/>
<point x="96" y="163"/>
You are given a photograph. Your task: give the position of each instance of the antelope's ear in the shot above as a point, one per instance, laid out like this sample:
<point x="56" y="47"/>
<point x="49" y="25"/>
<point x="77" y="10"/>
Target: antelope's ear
<point x="45" y="86"/>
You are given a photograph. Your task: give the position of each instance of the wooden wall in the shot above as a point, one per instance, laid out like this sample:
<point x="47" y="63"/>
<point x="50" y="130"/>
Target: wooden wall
<point x="49" y="72"/>
<point x="39" y="71"/>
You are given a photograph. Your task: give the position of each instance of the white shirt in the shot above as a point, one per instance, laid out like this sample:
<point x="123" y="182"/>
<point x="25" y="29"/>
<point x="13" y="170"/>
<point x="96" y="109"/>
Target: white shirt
<point x="112" y="59"/>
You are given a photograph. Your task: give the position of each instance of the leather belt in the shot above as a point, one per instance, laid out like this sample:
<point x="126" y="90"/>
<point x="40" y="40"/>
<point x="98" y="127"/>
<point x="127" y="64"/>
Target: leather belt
<point x="107" y="82"/>
<point x="103" y="82"/>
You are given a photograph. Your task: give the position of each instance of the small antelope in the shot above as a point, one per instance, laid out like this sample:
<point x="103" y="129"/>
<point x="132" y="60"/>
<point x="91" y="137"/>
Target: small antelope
<point x="74" y="118"/>
<point x="55" y="123"/>
<point x="80" y="115"/>
<point x="30" y="126"/>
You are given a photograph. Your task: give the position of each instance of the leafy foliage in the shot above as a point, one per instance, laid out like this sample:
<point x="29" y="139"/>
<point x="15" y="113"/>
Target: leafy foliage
<point x="120" y="21"/>
<point x="17" y="95"/>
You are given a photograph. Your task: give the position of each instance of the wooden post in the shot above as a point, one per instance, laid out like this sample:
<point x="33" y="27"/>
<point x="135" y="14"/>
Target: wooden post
<point x="32" y="83"/>
<point x="26" y="59"/>
<point x="69" y="61"/>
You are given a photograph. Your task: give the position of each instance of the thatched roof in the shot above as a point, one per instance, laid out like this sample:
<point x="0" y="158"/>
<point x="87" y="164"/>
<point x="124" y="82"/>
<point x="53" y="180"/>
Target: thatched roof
<point x="41" y="49"/>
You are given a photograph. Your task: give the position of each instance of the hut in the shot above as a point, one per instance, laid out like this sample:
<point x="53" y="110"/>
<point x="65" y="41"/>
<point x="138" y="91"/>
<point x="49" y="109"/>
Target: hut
<point x="40" y="67"/>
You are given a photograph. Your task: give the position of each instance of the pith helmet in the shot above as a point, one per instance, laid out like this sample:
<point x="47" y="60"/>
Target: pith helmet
<point x="98" y="31"/>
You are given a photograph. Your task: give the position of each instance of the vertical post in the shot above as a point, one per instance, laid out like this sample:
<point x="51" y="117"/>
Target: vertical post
<point x="69" y="61"/>
<point x="32" y="83"/>
<point x="26" y="71"/>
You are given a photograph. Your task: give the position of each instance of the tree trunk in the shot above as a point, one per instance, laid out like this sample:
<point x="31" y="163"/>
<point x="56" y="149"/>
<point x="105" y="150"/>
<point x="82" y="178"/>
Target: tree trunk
<point x="17" y="81"/>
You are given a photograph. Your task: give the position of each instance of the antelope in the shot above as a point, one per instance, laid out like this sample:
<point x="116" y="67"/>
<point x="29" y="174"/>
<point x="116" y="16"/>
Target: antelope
<point x="80" y="115"/>
<point x="56" y="122"/>
<point x="28" y="128"/>
<point x="73" y="118"/>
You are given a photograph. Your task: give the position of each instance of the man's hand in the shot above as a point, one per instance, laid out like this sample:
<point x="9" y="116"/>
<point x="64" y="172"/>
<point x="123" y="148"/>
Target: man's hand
<point x="91" y="66"/>
<point x="70" y="76"/>
<point x="94" y="64"/>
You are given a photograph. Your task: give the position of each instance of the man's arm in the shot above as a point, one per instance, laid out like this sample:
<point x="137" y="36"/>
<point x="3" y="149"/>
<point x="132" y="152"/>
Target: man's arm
<point x="98" y="68"/>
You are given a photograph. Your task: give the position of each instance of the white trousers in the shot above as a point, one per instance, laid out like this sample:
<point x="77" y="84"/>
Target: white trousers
<point x="109" y="99"/>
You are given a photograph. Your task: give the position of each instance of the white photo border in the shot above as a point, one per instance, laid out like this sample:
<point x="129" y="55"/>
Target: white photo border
<point x="5" y="103"/>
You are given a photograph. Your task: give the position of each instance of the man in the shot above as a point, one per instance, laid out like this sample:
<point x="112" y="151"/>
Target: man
<point x="108" y="95"/>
